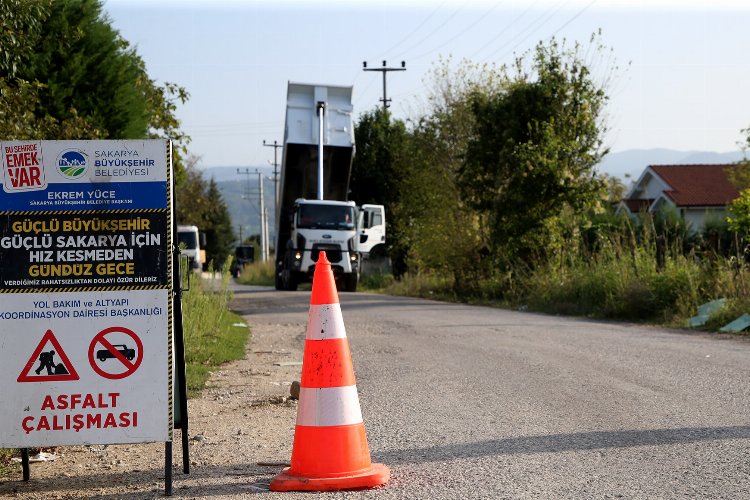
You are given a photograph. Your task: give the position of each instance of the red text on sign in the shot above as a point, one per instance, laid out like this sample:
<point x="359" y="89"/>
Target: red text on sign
<point x="73" y="401"/>
<point x="79" y="421"/>
<point x="23" y="166"/>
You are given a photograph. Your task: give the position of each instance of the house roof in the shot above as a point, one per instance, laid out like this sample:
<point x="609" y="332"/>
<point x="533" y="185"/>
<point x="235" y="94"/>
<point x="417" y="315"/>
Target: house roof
<point x="697" y="185"/>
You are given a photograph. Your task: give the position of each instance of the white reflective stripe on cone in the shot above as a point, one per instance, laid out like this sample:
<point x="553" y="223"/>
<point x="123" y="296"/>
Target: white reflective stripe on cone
<point x="325" y="322"/>
<point x="328" y="406"/>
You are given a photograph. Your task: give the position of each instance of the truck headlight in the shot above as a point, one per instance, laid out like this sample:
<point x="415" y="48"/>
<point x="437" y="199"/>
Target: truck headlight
<point x="298" y="255"/>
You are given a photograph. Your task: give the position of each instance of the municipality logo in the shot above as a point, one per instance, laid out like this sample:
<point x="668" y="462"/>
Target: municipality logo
<point x="72" y="163"/>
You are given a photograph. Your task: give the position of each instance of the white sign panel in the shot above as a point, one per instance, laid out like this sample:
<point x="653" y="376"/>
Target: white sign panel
<point x="84" y="368"/>
<point x="85" y="278"/>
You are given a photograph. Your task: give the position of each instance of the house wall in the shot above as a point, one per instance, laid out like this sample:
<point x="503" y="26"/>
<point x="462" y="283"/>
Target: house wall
<point x="696" y="217"/>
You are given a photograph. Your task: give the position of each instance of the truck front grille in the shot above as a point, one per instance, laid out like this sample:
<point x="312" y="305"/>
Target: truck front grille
<point x="333" y="252"/>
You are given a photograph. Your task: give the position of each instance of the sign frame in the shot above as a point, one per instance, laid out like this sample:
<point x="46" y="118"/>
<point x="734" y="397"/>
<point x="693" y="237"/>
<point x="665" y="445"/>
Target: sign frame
<point x="91" y="219"/>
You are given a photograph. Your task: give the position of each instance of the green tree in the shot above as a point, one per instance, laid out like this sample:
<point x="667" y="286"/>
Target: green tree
<point x="377" y="171"/>
<point x="66" y="73"/>
<point x="87" y="68"/>
<point x="218" y="226"/>
<point x="198" y="202"/>
<point x="533" y="149"/>
<point x="739" y="213"/>
<point x="438" y="231"/>
<point x="22" y="114"/>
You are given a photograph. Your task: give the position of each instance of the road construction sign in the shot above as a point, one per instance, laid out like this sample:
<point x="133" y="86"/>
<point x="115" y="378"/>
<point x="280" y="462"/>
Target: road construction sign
<point x="55" y="372"/>
<point x="86" y="278"/>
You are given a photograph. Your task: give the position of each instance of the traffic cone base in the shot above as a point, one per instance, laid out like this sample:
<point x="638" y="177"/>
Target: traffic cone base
<point x="375" y="475"/>
<point x="329" y="450"/>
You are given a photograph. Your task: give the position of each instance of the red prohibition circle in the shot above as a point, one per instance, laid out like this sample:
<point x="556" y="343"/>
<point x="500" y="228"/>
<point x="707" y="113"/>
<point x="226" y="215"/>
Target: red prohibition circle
<point x="113" y="352"/>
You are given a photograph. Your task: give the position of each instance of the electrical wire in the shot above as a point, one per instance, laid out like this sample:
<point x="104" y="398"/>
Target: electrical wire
<point x="481" y="18"/>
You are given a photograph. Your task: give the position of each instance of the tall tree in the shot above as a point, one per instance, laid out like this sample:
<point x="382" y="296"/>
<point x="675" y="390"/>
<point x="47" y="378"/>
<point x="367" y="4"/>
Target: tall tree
<point x="66" y="73"/>
<point x="375" y="173"/>
<point x="198" y="202"/>
<point x="377" y="170"/>
<point x="219" y="233"/>
<point x="22" y="113"/>
<point x="533" y="149"/>
<point x="87" y="68"/>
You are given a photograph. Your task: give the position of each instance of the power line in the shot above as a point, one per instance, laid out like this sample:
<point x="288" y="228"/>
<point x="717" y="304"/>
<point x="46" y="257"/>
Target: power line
<point x="574" y="17"/>
<point x="413" y="31"/>
<point x="436" y="29"/>
<point x="482" y="17"/>
<point x="528" y="31"/>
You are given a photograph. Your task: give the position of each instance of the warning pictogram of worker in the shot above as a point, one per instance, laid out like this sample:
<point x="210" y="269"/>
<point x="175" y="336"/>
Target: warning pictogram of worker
<point x="52" y="364"/>
<point x="46" y="361"/>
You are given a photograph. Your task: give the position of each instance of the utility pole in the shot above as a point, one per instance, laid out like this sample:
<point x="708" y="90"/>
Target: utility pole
<point x="385" y="69"/>
<point x="275" y="147"/>
<point x="263" y="222"/>
<point x="261" y="213"/>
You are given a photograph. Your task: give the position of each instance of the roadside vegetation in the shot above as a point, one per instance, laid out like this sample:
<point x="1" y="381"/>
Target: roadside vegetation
<point x="493" y="197"/>
<point x="258" y="273"/>
<point x="625" y="273"/>
<point x="213" y="334"/>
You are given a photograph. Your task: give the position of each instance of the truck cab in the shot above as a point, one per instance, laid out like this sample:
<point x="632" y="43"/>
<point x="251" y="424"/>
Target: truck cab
<point x="371" y="229"/>
<point x="321" y="225"/>
<point x="191" y="242"/>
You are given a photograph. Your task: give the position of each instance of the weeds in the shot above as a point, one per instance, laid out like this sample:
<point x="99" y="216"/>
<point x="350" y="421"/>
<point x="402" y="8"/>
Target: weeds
<point x="258" y="273"/>
<point x="626" y="277"/>
<point x="212" y="332"/>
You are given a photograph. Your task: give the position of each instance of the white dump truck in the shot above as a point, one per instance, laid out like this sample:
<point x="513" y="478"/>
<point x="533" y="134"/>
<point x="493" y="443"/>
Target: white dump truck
<point x="314" y="213"/>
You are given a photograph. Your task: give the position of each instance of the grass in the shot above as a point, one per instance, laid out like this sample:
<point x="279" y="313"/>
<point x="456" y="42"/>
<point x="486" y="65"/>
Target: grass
<point x="213" y="334"/>
<point x="258" y="273"/>
<point x="616" y="282"/>
<point x="6" y="465"/>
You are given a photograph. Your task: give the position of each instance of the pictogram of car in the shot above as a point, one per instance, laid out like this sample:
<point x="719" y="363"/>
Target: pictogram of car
<point x="104" y="354"/>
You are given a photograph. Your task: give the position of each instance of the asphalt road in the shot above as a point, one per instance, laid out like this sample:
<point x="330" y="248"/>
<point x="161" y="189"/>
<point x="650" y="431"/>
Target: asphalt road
<point x="473" y="402"/>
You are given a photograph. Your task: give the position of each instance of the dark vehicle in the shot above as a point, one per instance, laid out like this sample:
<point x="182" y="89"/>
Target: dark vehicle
<point x="104" y="354"/>
<point x="243" y="255"/>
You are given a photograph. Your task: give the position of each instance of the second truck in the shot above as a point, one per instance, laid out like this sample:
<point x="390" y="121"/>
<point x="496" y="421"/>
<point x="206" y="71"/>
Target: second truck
<point x="314" y="212"/>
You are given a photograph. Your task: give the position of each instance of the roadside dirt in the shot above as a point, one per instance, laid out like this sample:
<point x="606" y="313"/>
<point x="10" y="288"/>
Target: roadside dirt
<point x="240" y="435"/>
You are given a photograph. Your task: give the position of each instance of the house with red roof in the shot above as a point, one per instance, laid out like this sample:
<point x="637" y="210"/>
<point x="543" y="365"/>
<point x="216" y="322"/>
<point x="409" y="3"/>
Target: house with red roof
<point x="695" y="191"/>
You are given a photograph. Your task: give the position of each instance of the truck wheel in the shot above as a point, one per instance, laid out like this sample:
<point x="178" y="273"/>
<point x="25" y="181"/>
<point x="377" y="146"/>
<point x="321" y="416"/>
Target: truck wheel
<point x="291" y="284"/>
<point x="288" y="281"/>
<point x="350" y="282"/>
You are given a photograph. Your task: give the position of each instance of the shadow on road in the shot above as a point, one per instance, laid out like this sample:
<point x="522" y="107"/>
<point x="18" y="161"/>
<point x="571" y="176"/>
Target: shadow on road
<point x="564" y="442"/>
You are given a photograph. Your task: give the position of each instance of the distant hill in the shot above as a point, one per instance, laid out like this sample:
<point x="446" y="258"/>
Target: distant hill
<point x="630" y="163"/>
<point x="240" y="192"/>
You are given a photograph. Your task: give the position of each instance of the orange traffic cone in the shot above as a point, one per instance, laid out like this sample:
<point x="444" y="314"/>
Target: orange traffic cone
<point x="330" y="450"/>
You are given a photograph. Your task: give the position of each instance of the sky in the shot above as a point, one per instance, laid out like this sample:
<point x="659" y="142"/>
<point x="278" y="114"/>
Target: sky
<point x="677" y="71"/>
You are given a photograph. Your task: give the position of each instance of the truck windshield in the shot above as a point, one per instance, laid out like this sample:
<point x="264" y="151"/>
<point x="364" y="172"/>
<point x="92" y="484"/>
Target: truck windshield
<point x="325" y="217"/>
<point x="190" y="240"/>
